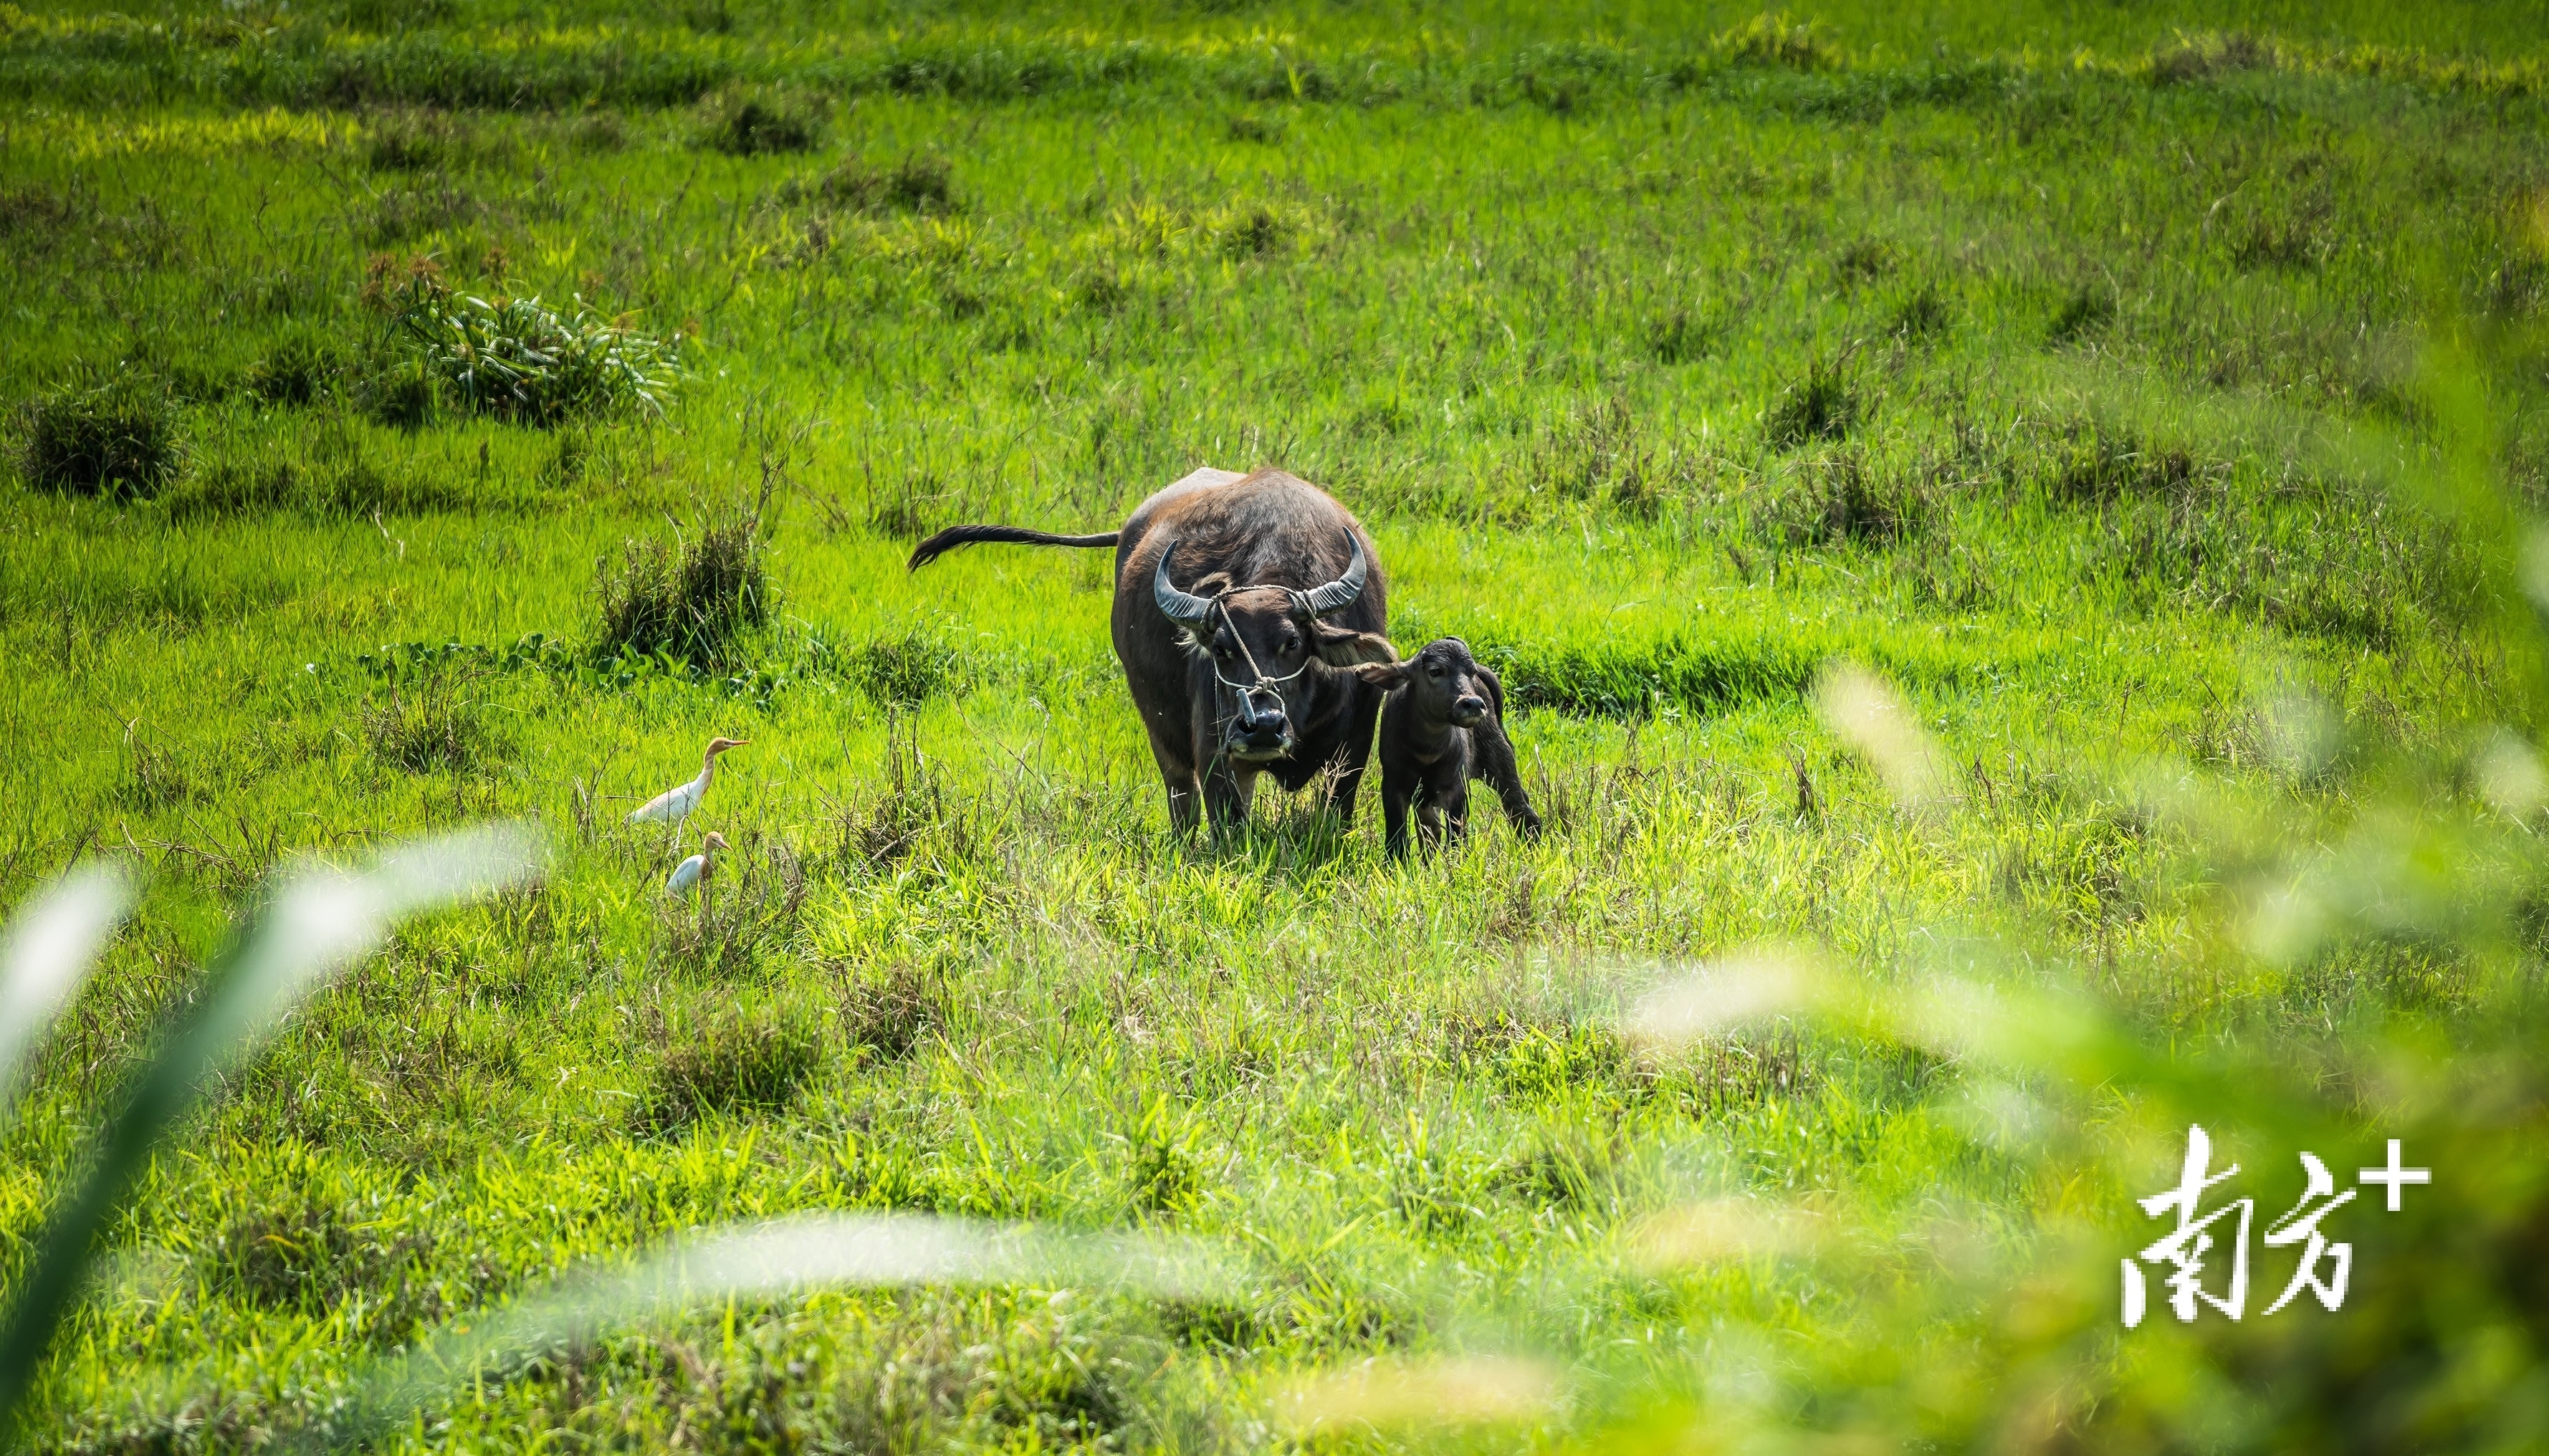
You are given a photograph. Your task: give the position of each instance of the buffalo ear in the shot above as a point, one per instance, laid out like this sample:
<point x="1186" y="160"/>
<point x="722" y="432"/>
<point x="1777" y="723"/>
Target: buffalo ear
<point x="1383" y="676"/>
<point x="1343" y="647"/>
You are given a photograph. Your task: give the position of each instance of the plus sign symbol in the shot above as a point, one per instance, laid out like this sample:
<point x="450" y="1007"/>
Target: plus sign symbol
<point x="2393" y="1177"/>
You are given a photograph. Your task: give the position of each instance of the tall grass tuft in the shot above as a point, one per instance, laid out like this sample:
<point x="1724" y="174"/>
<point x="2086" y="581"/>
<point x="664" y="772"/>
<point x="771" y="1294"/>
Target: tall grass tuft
<point x="1841" y="496"/>
<point x="750" y="120"/>
<point x="301" y="368"/>
<point x="918" y="183"/>
<point x="698" y="600"/>
<point x="1822" y="405"/>
<point x="886" y="1014"/>
<point x="114" y="434"/>
<point x="430" y="724"/>
<point x="738" y="1062"/>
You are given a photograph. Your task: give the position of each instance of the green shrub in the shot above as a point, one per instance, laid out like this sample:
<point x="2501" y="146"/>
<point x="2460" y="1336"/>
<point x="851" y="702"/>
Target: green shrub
<point x="697" y="601"/>
<point x="750" y="120"/>
<point x="516" y="359"/>
<point x="115" y="436"/>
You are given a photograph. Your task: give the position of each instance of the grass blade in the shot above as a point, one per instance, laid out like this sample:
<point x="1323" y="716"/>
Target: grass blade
<point x="873" y="1251"/>
<point x="1867" y="713"/>
<point x="49" y="948"/>
<point x="317" y="923"/>
<point x="1383" y="1394"/>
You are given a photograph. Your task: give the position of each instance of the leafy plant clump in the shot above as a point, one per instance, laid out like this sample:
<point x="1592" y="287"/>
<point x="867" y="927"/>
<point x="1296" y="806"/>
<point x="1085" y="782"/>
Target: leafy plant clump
<point x="519" y="360"/>
<point x="750" y="120"/>
<point x="399" y="392"/>
<point x="1775" y="40"/>
<point x="696" y="601"/>
<point x="1922" y="315"/>
<point x="114" y="435"/>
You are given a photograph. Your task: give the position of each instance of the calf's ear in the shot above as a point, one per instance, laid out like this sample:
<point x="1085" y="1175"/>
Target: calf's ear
<point x="1382" y="675"/>
<point x="1342" y="647"/>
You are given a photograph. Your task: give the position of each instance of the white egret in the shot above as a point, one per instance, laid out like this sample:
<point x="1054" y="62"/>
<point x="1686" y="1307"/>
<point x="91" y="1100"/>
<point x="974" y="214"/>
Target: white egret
<point x="694" y="872"/>
<point x="673" y="806"/>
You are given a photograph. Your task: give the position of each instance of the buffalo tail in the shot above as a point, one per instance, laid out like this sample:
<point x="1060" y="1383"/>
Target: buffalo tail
<point x="955" y="536"/>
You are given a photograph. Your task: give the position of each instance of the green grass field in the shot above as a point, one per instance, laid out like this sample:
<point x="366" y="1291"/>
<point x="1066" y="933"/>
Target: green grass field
<point x="2154" y="395"/>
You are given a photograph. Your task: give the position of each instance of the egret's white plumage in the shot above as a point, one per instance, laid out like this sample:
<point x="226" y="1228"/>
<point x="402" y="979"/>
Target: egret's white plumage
<point x="673" y="806"/>
<point x="694" y="872"/>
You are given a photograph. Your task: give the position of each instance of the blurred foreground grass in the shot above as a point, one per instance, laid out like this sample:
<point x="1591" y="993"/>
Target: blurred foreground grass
<point x="2154" y="411"/>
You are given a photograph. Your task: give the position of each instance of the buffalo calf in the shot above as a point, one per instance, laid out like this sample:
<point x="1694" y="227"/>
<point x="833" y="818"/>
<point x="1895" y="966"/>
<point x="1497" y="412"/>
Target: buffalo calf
<point x="1443" y="725"/>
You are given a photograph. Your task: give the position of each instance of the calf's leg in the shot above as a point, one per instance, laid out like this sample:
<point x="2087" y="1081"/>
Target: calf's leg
<point x="1495" y="764"/>
<point x="1394" y="799"/>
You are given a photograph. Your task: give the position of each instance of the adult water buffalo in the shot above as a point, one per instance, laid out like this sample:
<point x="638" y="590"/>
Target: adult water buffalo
<point x="1240" y="603"/>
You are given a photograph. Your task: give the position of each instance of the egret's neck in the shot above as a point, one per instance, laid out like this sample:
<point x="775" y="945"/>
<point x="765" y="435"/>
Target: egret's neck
<point x="708" y="771"/>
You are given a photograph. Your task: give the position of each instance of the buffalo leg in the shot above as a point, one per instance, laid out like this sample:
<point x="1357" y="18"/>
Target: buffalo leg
<point x="1176" y="773"/>
<point x="1227" y="794"/>
<point x="1354" y="755"/>
<point x="1495" y="764"/>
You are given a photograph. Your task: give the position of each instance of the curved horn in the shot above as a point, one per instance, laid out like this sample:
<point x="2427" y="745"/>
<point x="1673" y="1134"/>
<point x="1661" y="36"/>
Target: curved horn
<point x="1340" y="594"/>
<point x="1180" y="607"/>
